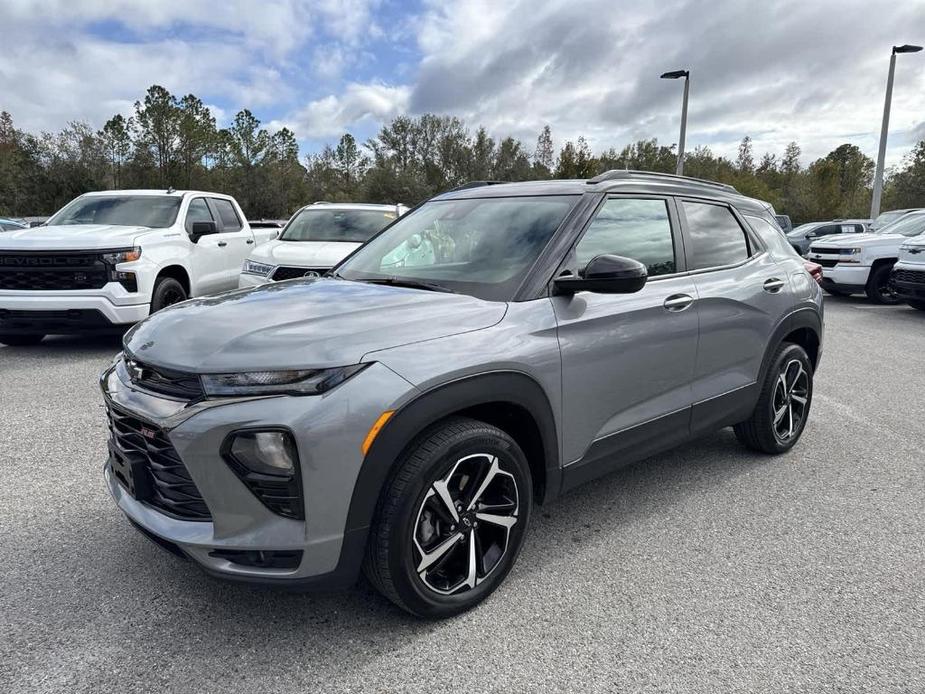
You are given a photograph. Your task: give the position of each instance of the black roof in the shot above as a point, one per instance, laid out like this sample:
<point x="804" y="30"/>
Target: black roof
<point x="611" y="181"/>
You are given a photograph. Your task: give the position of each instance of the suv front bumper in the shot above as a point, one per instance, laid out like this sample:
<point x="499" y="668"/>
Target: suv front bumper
<point x="328" y="431"/>
<point x="908" y="280"/>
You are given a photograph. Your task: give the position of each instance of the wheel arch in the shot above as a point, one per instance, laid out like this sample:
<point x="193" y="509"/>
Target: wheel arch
<point x="510" y="400"/>
<point x="177" y="272"/>
<point x="803" y="327"/>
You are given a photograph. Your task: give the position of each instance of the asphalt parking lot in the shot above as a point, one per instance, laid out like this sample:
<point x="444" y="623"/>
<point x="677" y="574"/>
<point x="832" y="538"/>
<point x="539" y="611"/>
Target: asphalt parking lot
<point x="706" y="569"/>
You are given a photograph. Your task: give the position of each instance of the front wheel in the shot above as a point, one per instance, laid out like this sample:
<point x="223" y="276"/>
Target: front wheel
<point x="452" y="519"/>
<point x="783" y="405"/>
<point x="879" y="288"/>
<point x="20" y="340"/>
<point x="167" y="291"/>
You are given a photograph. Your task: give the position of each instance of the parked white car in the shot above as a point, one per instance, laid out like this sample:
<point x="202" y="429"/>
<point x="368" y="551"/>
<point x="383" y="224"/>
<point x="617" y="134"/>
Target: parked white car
<point x="909" y="273"/>
<point x="316" y="238"/>
<point x="856" y="263"/>
<point x="108" y="259"/>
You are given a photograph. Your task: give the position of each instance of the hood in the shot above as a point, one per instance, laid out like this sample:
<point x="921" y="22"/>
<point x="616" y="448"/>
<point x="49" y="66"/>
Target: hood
<point x="308" y="254"/>
<point x="72" y="237"/>
<point x="853" y="240"/>
<point x="301" y="324"/>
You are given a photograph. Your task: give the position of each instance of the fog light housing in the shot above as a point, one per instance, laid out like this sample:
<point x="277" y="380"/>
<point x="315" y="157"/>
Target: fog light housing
<point x="267" y="461"/>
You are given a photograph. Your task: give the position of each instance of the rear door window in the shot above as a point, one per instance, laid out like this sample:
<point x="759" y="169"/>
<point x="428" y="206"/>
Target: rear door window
<point x="716" y="238"/>
<point x="228" y="215"/>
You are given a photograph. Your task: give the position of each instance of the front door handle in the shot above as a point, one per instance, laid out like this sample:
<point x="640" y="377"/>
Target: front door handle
<point x="222" y="244"/>
<point x="249" y="241"/>
<point x="773" y="285"/>
<point x="678" y="302"/>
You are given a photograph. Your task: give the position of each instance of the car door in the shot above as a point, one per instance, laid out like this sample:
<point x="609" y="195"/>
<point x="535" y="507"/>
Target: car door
<point x="743" y="294"/>
<point x="627" y="359"/>
<point x="235" y="239"/>
<point x="207" y="257"/>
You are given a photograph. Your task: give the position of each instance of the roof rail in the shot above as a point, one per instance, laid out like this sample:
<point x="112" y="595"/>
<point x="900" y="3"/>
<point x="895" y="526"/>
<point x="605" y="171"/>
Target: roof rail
<point x="616" y="174"/>
<point x="475" y="184"/>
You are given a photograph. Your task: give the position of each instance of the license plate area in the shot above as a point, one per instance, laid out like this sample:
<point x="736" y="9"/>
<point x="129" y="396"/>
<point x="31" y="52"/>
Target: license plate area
<point x="131" y="473"/>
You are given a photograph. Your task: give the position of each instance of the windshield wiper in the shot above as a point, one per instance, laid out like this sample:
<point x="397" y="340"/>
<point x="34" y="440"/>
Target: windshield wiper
<point x="406" y="282"/>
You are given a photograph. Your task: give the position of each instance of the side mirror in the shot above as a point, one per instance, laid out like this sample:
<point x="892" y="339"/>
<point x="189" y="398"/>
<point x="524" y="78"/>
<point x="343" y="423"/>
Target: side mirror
<point x="606" y="274"/>
<point x="201" y="229"/>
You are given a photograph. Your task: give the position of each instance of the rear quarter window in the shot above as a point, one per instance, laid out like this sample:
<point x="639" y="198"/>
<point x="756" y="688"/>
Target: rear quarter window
<point x="773" y="238"/>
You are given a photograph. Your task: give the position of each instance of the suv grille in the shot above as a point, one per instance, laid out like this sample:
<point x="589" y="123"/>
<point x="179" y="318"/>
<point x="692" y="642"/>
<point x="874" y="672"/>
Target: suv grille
<point x="52" y="271"/>
<point x="284" y="272"/>
<point x="146" y="463"/>
<point x="176" y="384"/>
<point x="917" y="276"/>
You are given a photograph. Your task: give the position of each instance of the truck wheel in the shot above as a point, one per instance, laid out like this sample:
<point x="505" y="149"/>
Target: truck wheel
<point x="879" y="290"/>
<point x="167" y="291"/>
<point x="783" y="405"/>
<point x="920" y="305"/>
<point x="451" y="520"/>
<point x="20" y="340"/>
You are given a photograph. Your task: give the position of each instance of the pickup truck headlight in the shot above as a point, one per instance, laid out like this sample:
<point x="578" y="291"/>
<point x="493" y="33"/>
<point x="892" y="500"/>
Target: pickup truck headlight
<point x="127" y="255"/>
<point x="252" y="267"/>
<point x="294" y="382"/>
<point x="850" y="251"/>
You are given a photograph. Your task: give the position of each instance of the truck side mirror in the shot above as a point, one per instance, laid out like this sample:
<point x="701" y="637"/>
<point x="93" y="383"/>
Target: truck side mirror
<point x="201" y="229"/>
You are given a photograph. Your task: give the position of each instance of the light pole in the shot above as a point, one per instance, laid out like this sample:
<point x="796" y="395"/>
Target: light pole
<point x="881" y="154"/>
<point x="673" y="75"/>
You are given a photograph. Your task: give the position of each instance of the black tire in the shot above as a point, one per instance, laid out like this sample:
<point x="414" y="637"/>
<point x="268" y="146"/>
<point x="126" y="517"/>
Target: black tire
<point x="761" y="432"/>
<point x="20" y="340"/>
<point x="878" y="286"/>
<point x="410" y="507"/>
<point x="914" y="303"/>
<point x="834" y="292"/>
<point x="167" y="291"/>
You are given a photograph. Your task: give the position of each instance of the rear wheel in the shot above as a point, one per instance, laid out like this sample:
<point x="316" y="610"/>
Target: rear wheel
<point x="783" y="404"/>
<point x="20" y="340"/>
<point x="879" y="288"/>
<point x="167" y="291"/>
<point x="920" y="305"/>
<point x="452" y="519"/>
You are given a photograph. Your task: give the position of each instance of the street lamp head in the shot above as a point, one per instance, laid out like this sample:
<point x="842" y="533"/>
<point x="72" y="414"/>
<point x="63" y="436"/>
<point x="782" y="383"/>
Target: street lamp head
<point x="675" y="74"/>
<point x="906" y="48"/>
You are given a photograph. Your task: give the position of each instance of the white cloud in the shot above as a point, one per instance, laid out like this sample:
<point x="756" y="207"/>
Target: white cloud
<point x="332" y="115"/>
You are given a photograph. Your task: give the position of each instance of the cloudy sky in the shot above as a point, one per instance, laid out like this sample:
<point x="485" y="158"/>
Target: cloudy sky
<point x="813" y="71"/>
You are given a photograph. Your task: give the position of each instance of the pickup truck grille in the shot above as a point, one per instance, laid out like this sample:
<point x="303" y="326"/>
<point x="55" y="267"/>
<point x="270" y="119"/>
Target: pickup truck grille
<point x="52" y="271"/>
<point x="284" y="272"/>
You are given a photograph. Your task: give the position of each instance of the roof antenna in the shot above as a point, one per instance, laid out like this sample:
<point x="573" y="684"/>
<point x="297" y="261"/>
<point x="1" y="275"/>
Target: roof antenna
<point x="170" y="189"/>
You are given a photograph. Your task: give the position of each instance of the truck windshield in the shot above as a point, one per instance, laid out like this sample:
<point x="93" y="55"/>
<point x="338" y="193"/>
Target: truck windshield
<point x="354" y="226"/>
<point x="154" y="211"/>
<point x="909" y="225"/>
<point x="483" y="247"/>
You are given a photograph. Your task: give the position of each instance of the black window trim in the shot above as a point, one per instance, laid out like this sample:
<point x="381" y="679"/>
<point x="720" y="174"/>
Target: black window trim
<point x="756" y="247"/>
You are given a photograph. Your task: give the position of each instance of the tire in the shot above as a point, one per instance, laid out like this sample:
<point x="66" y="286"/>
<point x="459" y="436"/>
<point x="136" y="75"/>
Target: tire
<point x="770" y="428"/>
<point x="835" y="292"/>
<point x="20" y="340"/>
<point x="914" y="303"/>
<point x="452" y="459"/>
<point x="878" y="286"/>
<point x="167" y="291"/>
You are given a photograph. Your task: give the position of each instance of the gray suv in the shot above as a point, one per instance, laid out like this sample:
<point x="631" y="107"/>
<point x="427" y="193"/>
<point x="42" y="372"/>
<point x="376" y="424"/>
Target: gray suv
<point x="488" y="351"/>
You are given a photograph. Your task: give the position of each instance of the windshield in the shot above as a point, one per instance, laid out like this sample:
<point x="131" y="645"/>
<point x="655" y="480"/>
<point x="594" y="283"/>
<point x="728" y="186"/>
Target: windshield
<point x="909" y="225"/>
<point x="154" y="211"/>
<point x="886" y="219"/>
<point x="355" y="226"/>
<point x="803" y="228"/>
<point x="483" y="247"/>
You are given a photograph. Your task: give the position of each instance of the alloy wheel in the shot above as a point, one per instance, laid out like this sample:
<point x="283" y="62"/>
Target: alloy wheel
<point x="791" y="396"/>
<point x="172" y="296"/>
<point x="463" y="525"/>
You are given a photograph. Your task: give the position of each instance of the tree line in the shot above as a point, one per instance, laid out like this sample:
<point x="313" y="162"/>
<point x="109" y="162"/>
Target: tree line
<point x="172" y="141"/>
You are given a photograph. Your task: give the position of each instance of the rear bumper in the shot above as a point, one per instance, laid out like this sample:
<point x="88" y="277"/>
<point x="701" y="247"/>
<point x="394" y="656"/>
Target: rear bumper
<point x="54" y="313"/>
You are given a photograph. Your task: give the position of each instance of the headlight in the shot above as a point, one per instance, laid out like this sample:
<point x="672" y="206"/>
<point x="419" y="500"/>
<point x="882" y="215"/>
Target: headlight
<point x="127" y="255"/>
<point x="295" y="382"/>
<point x="252" y="267"/>
<point x="267" y="462"/>
<point x="849" y="251"/>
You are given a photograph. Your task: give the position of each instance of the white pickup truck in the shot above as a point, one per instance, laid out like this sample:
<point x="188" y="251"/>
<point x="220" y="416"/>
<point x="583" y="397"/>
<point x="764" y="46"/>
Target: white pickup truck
<point x="108" y="259"/>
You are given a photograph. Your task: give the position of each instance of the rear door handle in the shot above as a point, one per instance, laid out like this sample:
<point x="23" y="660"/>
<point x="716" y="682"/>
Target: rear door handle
<point x="678" y="302"/>
<point x="222" y="244"/>
<point x="773" y="285"/>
